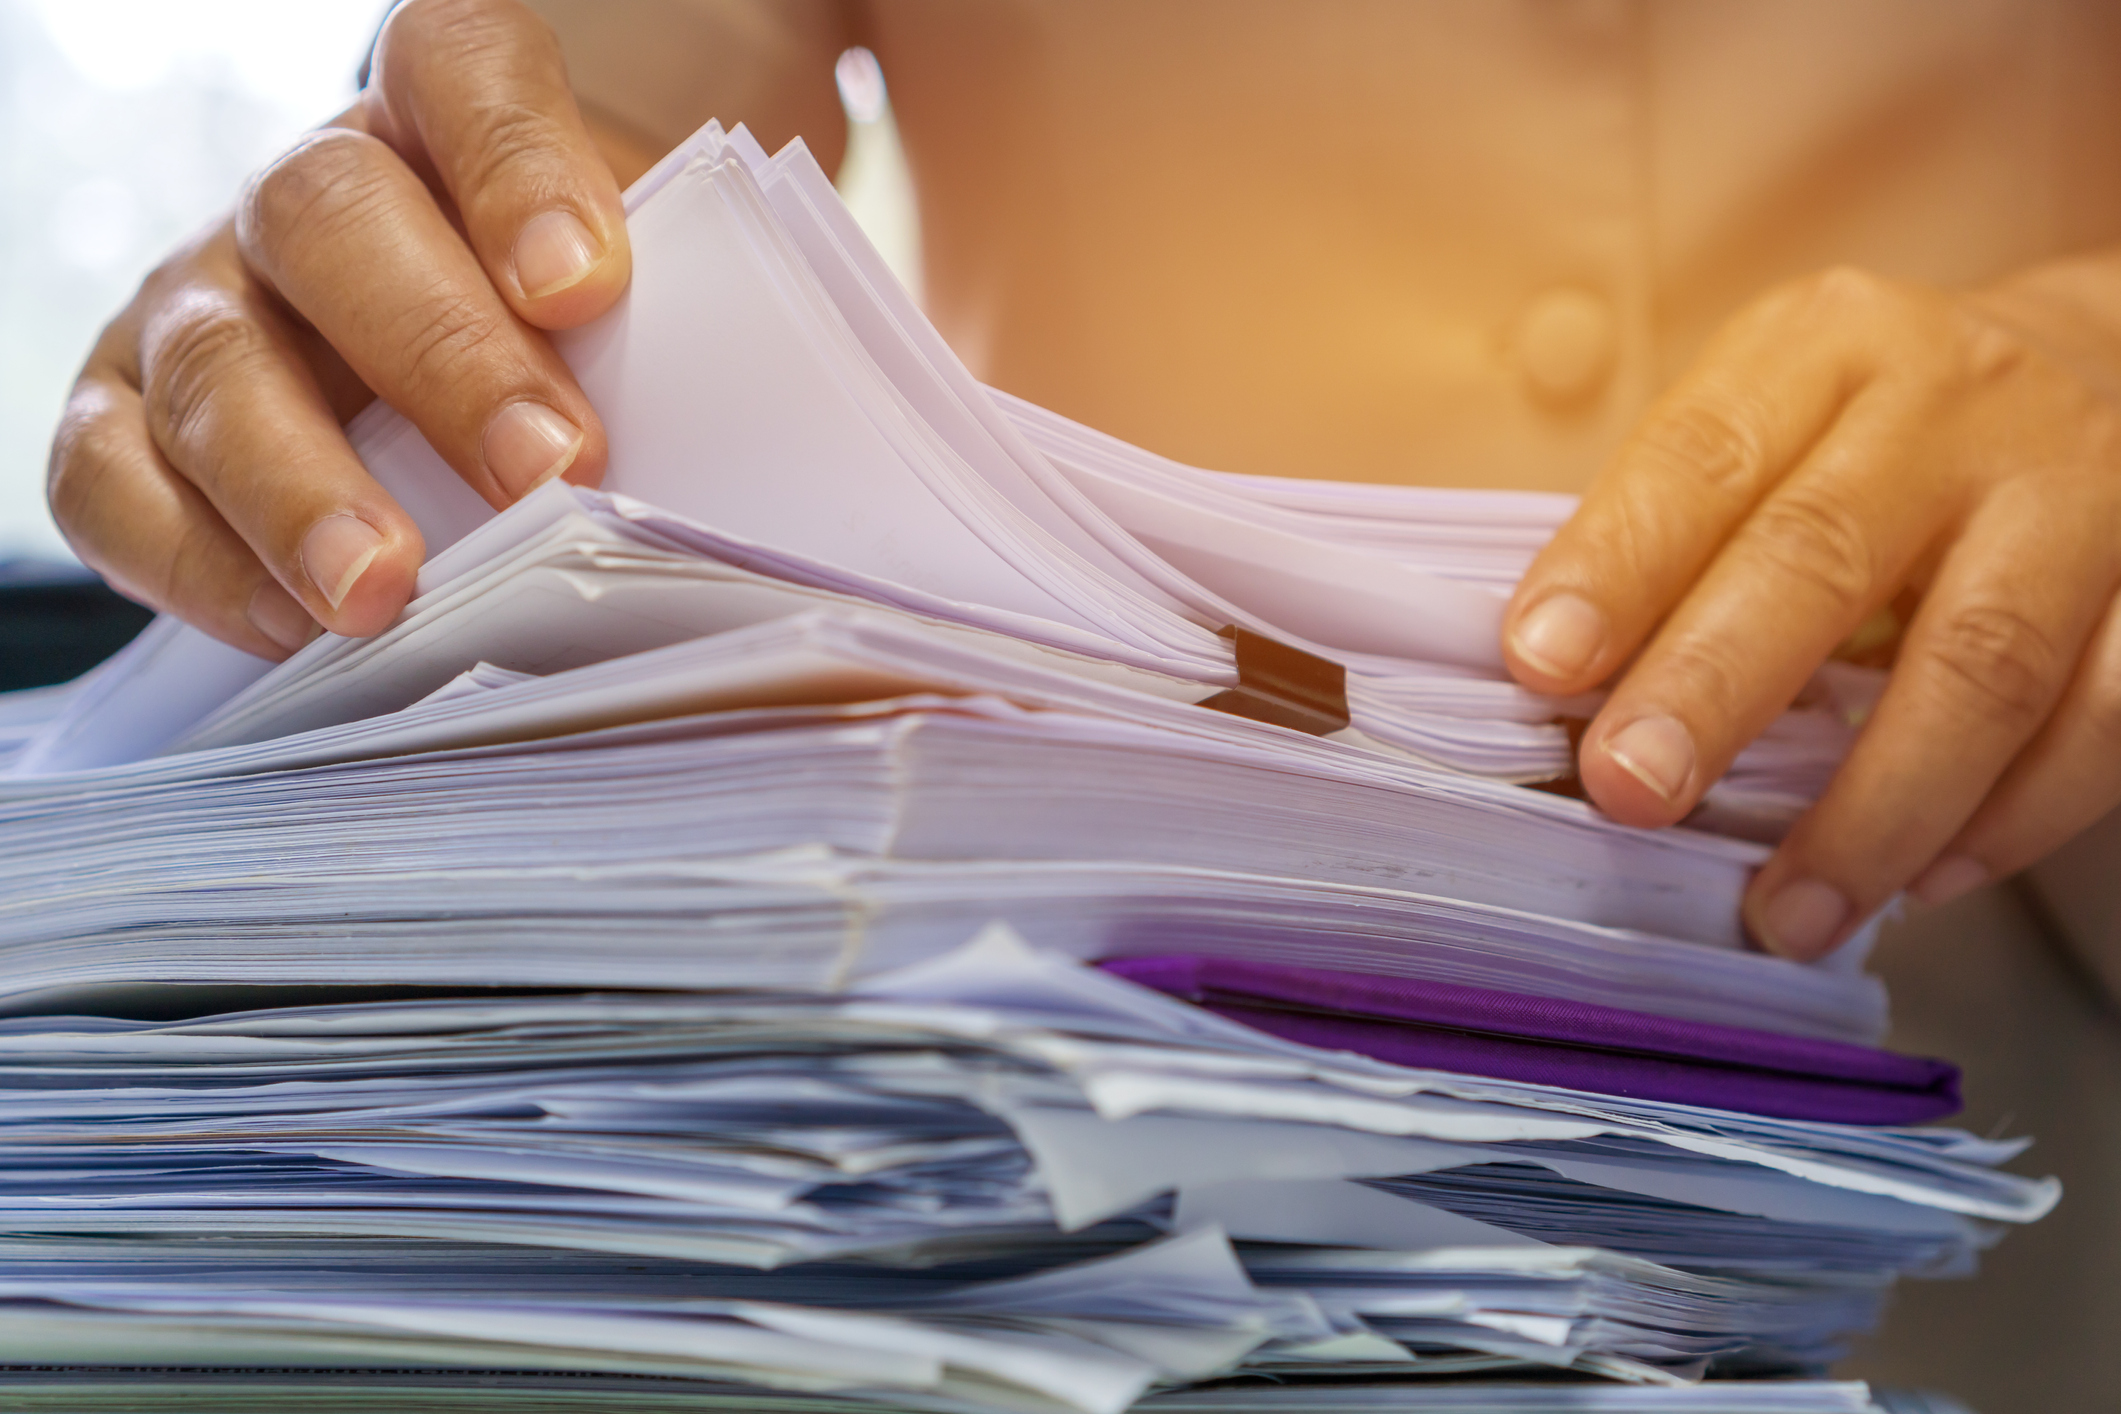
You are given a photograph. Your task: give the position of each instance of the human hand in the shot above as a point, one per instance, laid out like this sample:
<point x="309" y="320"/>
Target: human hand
<point x="1845" y="442"/>
<point x="412" y="251"/>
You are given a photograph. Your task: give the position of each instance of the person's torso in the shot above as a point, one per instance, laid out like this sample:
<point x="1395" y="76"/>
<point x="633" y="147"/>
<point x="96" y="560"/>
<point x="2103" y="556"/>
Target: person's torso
<point x="1460" y="241"/>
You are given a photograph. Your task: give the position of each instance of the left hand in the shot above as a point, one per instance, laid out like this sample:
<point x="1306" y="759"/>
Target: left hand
<point x="1844" y="441"/>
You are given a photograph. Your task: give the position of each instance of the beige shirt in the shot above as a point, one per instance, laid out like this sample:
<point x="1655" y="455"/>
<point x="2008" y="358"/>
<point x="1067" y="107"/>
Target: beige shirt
<point x="1448" y="241"/>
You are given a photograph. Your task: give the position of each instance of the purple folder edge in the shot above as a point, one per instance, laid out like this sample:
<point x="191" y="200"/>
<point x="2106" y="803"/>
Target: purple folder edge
<point x="1545" y="1041"/>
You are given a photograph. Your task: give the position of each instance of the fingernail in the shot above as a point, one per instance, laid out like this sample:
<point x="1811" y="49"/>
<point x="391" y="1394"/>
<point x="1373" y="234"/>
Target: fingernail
<point x="1561" y="636"/>
<point x="280" y="616"/>
<point x="336" y="551"/>
<point x="528" y="444"/>
<point x="554" y="250"/>
<point x="1658" y="751"/>
<point x="1948" y="878"/>
<point x="1802" y="918"/>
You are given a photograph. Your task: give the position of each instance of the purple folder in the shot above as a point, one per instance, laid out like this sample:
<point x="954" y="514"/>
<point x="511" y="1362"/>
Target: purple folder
<point x="1575" y="1045"/>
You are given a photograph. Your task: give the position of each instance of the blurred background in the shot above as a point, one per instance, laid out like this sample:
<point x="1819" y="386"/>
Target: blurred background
<point x="126" y="125"/>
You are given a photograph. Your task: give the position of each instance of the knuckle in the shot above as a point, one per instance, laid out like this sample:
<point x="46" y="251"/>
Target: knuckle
<point x="515" y="147"/>
<point x="1857" y="310"/>
<point x="176" y="271"/>
<point x="1704" y="671"/>
<point x="1717" y="444"/>
<point x="1810" y="540"/>
<point x="1997" y="660"/>
<point x="414" y="25"/>
<point x="90" y="444"/>
<point x="1989" y="354"/>
<point x="80" y="456"/>
<point x="202" y="346"/>
<point x="1842" y="290"/>
<point x="454" y="32"/>
<point x="502" y="60"/>
<point x="329" y="179"/>
<point x="443" y="334"/>
<point x="427" y="21"/>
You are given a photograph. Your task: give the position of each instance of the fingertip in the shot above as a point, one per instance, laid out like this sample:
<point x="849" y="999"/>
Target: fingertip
<point x="527" y="444"/>
<point x="1950" y="877"/>
<point x="1556" y="644"/>
<point x="589" y="464"/>
<point x="1801" y="918"/>
<point x="360" y="574"/>
<point x="1642" y="772"/>
<point x="280" y="617"/>
<point x="567" y="270"/>
<point x="375" y="600"/>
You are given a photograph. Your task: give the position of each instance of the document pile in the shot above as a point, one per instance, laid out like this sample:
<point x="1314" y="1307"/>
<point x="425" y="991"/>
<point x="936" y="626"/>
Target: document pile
<point x="905" y="902"/>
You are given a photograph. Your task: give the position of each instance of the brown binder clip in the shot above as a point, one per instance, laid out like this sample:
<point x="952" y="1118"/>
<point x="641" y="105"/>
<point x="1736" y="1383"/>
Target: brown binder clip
<point x="1284" y="685"/>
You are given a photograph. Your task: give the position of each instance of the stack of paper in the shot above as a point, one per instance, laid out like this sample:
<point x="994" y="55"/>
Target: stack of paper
<point x="996" y="1176"/>
<point x="572" y="981"/>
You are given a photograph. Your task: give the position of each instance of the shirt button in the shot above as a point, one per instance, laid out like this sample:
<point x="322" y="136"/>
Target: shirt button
<point x="1564" y="344"/>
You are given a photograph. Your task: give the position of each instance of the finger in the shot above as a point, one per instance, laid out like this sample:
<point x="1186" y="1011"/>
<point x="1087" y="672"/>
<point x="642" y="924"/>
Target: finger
<point x="1985" y="662"/>
<point x="134" y="520"/>
<point x="231" y="407"/>
<point x="1698" y="464"/>
<point x="2067" y="779"/>
<point x="1815" y="559"/>
<point x="350" y="238"/>
<point x="475" y="91"/>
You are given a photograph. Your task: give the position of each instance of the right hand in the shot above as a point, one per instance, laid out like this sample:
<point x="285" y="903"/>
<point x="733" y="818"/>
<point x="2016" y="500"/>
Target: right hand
<point x="411" y="251"/>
